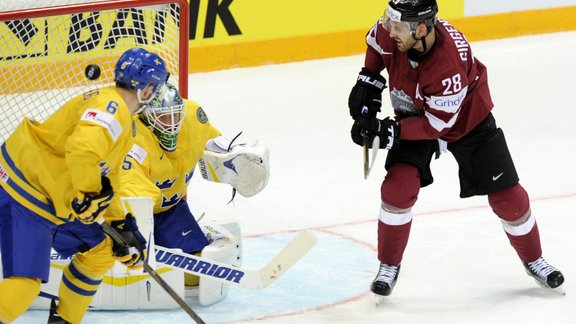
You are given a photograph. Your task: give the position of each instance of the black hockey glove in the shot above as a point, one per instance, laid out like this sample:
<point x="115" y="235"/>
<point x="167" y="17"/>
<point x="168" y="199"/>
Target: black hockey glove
<point x="132" y="253"/>
<point x="87" y="207"/>
<point x="366" y="93"/>
<point x="387" y="129"/>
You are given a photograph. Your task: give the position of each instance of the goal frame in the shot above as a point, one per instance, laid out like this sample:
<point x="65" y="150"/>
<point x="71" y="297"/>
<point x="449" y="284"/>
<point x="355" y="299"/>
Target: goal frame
<point x="75" y="8"/>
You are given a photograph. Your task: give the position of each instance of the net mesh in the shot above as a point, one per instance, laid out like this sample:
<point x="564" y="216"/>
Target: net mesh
<point x="43" y="60"/>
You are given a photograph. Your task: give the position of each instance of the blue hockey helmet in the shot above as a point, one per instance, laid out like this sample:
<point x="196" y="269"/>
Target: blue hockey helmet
<point x="137" y="68"/>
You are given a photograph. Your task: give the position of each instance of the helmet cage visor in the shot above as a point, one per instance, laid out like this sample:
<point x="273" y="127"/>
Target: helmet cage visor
<point x="165" y="114"/>
<point x="166" y="123"/>
<point x="393" y="23"/>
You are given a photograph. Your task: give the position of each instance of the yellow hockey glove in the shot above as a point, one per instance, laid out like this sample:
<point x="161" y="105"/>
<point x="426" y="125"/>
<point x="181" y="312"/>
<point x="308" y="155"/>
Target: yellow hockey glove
<point x="87" y="207"/>
<point x="132" y="251"/>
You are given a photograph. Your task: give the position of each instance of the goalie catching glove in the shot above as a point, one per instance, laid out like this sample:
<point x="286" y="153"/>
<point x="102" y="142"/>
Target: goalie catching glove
<point x="87" y="207"/>
<point x="131" y="252"/>
<point x="245" y="167"/>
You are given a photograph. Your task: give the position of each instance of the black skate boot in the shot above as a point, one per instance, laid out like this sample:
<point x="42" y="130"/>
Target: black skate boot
<point x="545" y="275"/>
<point x="54" y="318"/>
<point x="385" y="279"/>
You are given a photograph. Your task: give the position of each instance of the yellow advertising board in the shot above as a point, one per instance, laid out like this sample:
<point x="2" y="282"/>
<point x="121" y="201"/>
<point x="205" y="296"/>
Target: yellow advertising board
<point x="236" y="33"/>
<point x="258" y="20"/>
<point x="233" y="33"/>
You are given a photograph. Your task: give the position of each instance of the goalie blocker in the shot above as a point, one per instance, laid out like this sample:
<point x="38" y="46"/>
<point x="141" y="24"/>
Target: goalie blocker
<point x="245" y="167"/>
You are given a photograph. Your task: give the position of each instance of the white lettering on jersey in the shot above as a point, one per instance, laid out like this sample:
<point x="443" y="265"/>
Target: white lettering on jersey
<point x="105" y="120"/>
<point x="138" y="153"/>
<point x="450" y="104"/>
<point x="3" y="174"/>
<point x="459" y="40"/>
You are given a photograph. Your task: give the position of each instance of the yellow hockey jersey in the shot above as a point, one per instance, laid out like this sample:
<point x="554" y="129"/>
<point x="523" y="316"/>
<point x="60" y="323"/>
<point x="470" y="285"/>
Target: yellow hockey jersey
<point x="43" y="165"/>
<point x="149" y="171"/>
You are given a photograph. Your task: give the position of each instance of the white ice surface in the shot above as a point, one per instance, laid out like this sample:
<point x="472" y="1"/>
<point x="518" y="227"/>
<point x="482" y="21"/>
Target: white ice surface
<point x="459" y="266"/>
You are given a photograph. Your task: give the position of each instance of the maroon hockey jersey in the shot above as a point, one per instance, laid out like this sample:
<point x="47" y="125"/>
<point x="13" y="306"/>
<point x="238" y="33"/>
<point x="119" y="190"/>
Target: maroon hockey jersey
<point x="444" y="95"/>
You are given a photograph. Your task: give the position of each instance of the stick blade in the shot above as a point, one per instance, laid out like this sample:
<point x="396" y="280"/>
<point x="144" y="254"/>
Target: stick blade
<point x="290" y="254"/>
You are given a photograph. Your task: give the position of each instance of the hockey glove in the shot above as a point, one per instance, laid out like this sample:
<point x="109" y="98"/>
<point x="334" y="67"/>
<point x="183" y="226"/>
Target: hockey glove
<point x="87" y="207"/>
<point x="387" y="129"/>
<point x="366" y="93"/>
<point x="131" y="252"/>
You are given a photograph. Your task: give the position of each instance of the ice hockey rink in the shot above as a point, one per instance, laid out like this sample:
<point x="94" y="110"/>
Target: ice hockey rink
<point x="458" y="267"/>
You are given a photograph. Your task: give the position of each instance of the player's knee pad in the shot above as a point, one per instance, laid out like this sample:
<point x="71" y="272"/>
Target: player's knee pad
<point x="510" y="204"/>
<point x="16" y="295"/>
<point x="225" y="247"/>
<point x="401" y="186"/>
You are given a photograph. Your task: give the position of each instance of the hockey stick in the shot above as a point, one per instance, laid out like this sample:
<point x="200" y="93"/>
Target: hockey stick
<point x="375" y="147"/>
<point x="366" y="154"/>
<point x="226" y="273"/>
<point x="116" y="237"/>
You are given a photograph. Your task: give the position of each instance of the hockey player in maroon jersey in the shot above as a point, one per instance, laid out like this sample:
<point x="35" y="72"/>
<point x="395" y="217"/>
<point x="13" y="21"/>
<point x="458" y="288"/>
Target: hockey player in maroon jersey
<point x="439" y="93"/>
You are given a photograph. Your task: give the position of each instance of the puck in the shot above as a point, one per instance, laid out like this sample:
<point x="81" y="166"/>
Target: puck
<point x="92" y="72"/>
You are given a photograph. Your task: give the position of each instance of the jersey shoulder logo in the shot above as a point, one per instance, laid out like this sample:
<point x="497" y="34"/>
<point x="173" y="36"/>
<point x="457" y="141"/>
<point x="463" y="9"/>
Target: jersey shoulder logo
<point x="201" y="115"/>
<point x="105" y="120"/>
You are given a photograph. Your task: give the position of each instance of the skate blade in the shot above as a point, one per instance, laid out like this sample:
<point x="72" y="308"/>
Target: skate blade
<point x="379" y="299"/>
<point x="559" y="290"/>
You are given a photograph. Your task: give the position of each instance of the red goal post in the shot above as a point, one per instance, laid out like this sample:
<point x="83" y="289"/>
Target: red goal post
<point x="45" y="49"/>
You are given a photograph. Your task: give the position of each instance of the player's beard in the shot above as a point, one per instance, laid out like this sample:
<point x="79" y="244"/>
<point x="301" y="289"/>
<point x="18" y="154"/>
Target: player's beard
<point x="405" y="45"/>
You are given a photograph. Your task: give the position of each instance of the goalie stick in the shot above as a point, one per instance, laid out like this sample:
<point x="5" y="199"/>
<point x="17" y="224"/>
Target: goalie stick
<point x="226" y="273"/>
<point x="114" y="235"/>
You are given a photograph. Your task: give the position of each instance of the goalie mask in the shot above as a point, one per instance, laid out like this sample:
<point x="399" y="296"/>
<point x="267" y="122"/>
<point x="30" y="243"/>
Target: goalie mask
<point x="164" y="115"/>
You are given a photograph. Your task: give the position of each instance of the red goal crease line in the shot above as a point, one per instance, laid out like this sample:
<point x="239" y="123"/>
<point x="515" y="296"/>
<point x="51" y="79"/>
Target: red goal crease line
<point x="419" y="214"/>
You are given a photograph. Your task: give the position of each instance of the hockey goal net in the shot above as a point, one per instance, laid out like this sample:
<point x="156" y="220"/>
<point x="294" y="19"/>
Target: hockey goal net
<point x="46" y="46"/>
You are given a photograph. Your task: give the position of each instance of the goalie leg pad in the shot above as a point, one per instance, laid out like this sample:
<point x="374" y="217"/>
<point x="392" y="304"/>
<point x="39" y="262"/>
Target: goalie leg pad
<point x="226" y="247"/>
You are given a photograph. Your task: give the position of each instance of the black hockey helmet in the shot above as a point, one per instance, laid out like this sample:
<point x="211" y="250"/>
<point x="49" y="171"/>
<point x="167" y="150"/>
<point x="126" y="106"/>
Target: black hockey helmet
<point x="413" y="12"/>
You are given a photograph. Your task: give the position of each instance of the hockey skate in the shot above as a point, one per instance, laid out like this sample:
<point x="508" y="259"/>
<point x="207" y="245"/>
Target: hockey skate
<point x="385" y="281"/>
<point x="545" y="275"/>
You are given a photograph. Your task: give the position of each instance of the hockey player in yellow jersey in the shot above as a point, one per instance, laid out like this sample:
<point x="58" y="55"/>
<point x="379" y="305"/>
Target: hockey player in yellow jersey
<point x="61" y="175"/>
<point x="173" y="135"/>
<point x="169" y="143"/>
